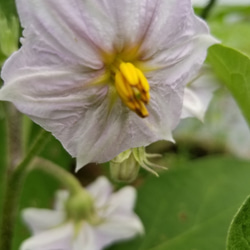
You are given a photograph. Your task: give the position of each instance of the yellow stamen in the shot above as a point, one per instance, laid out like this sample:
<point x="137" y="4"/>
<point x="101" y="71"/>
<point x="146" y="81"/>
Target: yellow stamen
<point x="129" y="71"/>
<point x="123" y="90"/>
<point x="133" y="88"/>
<point x="142" y="111"/>
<point x="143" y="80"/>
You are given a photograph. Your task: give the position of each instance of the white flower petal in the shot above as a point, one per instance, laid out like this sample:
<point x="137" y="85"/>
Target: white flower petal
<point x="54" y="239"/>
<point x="192" y="105"/>
<point x="183" y="61"/>
<point x="198" y="94"/>
<point x="130" y="20"/>
<point x="40" y="220"/>
<point x="69" y="27"/>
<point x="57" y="101"/>
<point x="61" y="198"/>
<point x="121" y="202"/>
<point x="86" y="239"/>
<point x="176" y="21"/>
<point x="100" y="190"/>
<point x="118" y="228"/>
<point x="120" y="222"/>
<point x="164" y="109"/>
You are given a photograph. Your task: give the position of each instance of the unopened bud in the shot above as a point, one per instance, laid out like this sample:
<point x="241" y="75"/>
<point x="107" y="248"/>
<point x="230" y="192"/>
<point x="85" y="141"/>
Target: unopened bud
<point x="124" y="167"/>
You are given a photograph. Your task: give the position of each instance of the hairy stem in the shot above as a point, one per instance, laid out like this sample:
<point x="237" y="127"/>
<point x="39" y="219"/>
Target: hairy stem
<point x="13" y="190"/>
<point x="14" y="124"/>
<point x="4" y="151"/>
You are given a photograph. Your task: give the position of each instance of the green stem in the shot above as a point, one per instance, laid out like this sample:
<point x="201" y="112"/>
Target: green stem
<point x="13" y="191"/>
<point x="14" y="121"/>
<point x="207" y="9"/>
<point x="4" y="151"/>
<point x="26" y="131"/>
<point x="67" y="179"/>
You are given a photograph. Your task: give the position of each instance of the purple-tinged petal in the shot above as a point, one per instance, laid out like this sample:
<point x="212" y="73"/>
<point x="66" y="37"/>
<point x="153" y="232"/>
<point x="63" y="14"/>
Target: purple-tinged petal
<point x="76" y="29"/>
<point x="180" y="62"/>
<point x="172" y="23"/>
<point x="56" y="99"/>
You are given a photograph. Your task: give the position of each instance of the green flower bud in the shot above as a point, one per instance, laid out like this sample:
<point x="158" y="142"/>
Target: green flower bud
<point x="124" y="167"/>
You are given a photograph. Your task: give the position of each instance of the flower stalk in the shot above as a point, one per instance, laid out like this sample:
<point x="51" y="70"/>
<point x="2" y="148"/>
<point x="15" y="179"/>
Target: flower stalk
<point x="63" y="176"/>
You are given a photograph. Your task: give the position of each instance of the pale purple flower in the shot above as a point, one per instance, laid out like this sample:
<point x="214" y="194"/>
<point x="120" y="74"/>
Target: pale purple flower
<point x="65" y="75"/>
<point x="53" y="230"/>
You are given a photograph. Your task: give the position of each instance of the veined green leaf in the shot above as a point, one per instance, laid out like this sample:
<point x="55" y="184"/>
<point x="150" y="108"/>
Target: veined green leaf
<point x="233" y="68"/>
<point x="239" y="233"/>
<point x="190" y="206"/>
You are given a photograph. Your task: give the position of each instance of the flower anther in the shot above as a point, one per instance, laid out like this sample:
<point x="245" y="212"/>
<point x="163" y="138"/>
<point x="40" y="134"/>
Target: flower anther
<point x="133" y="88"/>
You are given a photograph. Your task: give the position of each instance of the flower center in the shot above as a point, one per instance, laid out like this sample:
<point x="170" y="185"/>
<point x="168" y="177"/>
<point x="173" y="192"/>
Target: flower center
<point x="133" y="88"/>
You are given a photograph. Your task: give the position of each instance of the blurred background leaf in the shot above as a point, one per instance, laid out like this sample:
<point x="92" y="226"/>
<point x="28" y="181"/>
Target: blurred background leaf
<point x="8" y="8"/>
<point x="191" y="205"/>
<point x="233" y="29"/>
<point x="233" y="68"/>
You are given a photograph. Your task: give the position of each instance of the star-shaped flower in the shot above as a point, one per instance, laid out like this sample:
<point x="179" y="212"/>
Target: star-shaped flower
<point x="105" y="76"/>
<point x="53" y="229"/>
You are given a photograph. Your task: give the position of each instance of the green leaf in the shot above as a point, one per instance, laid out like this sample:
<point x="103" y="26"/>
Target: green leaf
<point x="239" y="233"/>
<point x="8" y="8"/>
<point x="233" y="68"/>
<point x="190" y="206"/>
